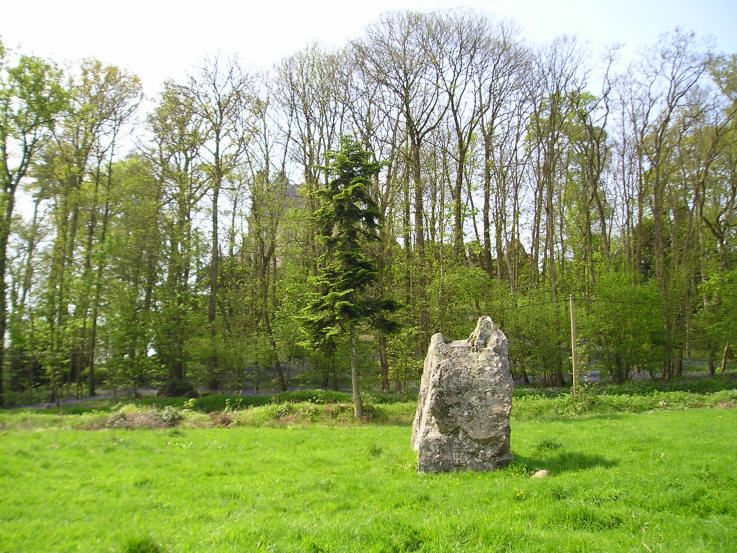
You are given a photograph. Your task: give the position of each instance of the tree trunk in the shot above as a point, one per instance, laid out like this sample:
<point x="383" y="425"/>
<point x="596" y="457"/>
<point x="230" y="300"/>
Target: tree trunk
<point x="357" y="404"/>
<point x="97" y="285"/>
<point x="4" y="235"/>
<point x="458" y="252"/>
<point x="384" y="363"/>
<point x="724" y="358"/>
<point x="212" y="377"/>
<point x="407" y="238"/>
<point x="487" y="205"/>
<point x="424" y="315"/>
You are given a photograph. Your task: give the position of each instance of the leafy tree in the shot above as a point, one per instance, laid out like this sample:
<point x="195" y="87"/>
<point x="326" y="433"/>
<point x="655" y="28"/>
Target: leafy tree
<point x="179" y="134"/>
<point x="220" y="96"/>
<point x="31" y="96"/>
<point x="718" y="314"/>
<point x="133" y="259"/>
<point x="347" y="222"/>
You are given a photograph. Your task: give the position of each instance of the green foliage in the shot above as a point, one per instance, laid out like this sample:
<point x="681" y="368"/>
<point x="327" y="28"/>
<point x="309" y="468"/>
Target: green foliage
<point x="717" y="314"/>
<point x="31" y="97"/>
<point x="130" y="273"/>
<point x="347" y="221"/>
<point x="539" y="335"/>
<point x="588" y="403"/>
<point x="208" y="403"/>
<point x="457" y="294"/>
<point x="620" y="328"/>
<point x="405" y="360"/>
<point x="131" y="417"/>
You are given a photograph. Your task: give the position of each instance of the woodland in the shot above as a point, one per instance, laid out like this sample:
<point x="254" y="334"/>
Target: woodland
<point x="186" y="241"/>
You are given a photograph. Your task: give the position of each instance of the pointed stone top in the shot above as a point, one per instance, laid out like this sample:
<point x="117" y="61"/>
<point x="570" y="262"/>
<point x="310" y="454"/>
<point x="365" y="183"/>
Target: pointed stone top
<point x="479" y="338"/>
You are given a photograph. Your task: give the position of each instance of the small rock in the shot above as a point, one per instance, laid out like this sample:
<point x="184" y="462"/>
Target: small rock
<point x="541" y="474"/>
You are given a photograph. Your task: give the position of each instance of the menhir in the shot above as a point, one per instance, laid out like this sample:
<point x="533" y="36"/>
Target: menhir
<point x="462" y="420"/>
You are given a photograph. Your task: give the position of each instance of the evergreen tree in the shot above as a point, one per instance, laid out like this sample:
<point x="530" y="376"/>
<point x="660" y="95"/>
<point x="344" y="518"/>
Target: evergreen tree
<point x="347" y="223"/>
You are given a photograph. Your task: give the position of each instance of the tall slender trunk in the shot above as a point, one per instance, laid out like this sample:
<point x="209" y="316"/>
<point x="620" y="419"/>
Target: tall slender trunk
<point x="98" y="291"/>
<point x="424" y="315"/>
<point x="458" y="251"/>
<point x="81" y="348"/>
<point x="407" y="238"/>
<point x="639" y="242"/>
<point x="7" y="216"/>
<point x="355" y="388"/>
<point x="487" y="204"/>
<point x="213" y="380"/>
<point x="535" y="247"/>
<point x="724" y="357"/>
<point x="383" y="362"/>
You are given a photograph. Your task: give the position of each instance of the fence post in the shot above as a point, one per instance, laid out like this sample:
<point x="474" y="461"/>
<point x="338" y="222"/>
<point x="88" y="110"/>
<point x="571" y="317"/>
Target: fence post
<point x="573" y="346"/>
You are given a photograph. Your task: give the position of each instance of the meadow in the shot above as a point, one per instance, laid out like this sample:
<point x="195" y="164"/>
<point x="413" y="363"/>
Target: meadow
<point x="662" y="480"/>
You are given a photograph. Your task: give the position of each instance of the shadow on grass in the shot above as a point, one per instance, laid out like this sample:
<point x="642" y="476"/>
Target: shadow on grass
<point x="565" y="461"/>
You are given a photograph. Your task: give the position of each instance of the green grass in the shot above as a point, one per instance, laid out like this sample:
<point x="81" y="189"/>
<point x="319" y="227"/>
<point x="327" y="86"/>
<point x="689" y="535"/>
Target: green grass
<point x="662" y="481"/>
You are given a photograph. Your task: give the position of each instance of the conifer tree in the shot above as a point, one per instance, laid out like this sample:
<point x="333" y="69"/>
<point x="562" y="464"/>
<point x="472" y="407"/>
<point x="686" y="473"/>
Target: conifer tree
<point x="347" y="223"/>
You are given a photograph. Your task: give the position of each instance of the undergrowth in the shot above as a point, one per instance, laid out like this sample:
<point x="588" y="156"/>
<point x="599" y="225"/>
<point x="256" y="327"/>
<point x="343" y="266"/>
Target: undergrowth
<point x="587" y="403"/>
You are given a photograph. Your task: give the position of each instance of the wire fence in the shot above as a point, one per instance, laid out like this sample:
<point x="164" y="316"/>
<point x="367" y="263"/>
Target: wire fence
<point x="582" y="300"/>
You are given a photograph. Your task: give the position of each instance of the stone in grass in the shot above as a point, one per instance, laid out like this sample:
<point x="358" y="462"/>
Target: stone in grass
<point x="541" y="474"/>
<point x="462" y="419"/>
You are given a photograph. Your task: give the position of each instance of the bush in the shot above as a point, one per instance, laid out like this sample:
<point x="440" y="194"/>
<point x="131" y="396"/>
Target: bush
<point x="170" y="415"/>
<point x="178" y="388"/>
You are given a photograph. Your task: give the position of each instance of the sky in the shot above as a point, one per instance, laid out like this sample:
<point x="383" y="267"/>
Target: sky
<point x="161" y="39"/>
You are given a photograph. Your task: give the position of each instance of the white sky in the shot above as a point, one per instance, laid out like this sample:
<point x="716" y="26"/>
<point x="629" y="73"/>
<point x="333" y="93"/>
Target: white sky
<point x="159" y="39"/>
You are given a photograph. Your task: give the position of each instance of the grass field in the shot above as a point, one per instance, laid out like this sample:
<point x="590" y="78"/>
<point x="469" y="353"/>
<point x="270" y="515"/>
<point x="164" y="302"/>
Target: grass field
<point x="661" y="481"/>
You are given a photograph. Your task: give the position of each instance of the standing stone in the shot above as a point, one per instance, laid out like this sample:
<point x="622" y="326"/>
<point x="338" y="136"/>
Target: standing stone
<point x="462" y="420"/>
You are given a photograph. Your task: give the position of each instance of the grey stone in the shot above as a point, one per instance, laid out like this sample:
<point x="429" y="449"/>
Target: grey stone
<point x="462" y="419"/>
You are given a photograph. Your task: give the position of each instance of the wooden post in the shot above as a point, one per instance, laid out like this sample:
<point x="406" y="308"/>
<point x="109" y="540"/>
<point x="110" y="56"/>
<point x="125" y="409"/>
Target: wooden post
<point x="573" y="346"/>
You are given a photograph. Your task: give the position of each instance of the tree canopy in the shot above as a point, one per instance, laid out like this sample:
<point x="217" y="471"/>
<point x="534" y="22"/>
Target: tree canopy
<point x="270" y="229"/>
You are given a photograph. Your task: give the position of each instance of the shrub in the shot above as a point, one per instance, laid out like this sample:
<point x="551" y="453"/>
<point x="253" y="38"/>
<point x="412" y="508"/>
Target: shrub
<point x="170" y="415"/>
<point x="282" y="410"/>
<point x="178" y="388"/>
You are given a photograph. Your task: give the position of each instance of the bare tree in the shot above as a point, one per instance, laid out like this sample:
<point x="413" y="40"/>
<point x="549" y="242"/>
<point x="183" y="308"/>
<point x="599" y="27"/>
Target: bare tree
<point x="661" y="89"/>
<point x="222" y="97"/>
<point x="394" y="53"/>
<point x="504" y="101"/>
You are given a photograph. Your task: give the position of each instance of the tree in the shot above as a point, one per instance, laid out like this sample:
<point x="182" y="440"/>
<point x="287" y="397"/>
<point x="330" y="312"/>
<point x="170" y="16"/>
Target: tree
<point x="661" y="94"/>
<point x="620" y="326"/>
<point x="396" y="55"/>
<point x="221" y="97"/>
<point x="558" y="81"/>
<point x="134" y="246"/>
<point x="31" y="96"/>
<point x="179" y="133"/>
<point x="347" y="222"/>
